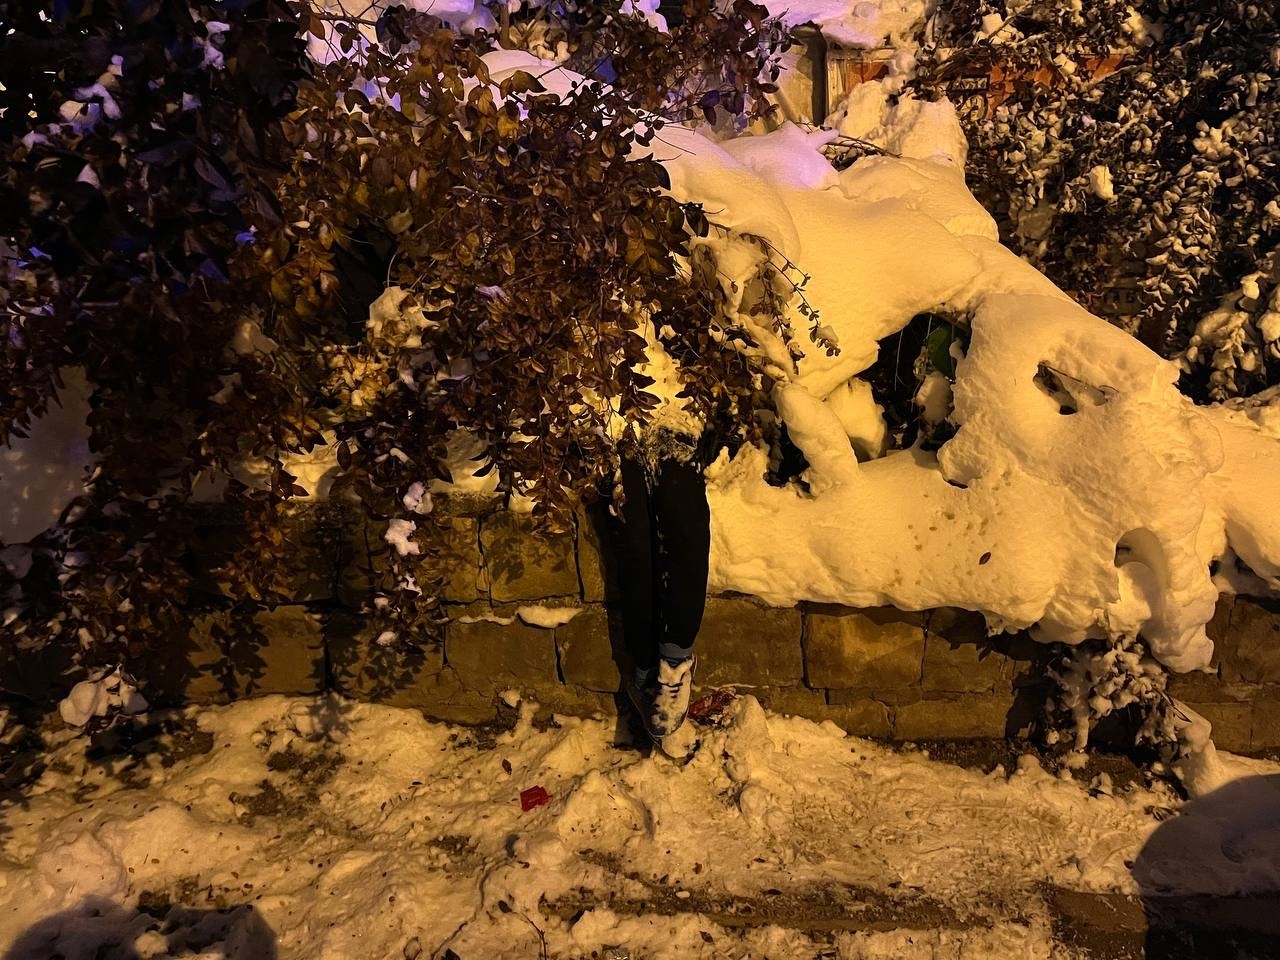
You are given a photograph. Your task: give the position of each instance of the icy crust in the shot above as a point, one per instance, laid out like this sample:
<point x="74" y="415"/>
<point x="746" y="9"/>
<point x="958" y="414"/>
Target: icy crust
<point x="1092" y="513"/>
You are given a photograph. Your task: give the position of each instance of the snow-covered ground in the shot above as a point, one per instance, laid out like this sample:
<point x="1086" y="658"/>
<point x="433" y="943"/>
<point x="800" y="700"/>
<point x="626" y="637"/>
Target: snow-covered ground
<point x="320" y="828"/>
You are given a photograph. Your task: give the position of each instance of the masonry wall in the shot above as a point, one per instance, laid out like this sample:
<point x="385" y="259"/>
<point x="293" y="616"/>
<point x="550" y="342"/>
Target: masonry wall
<point x="880" y="672"/>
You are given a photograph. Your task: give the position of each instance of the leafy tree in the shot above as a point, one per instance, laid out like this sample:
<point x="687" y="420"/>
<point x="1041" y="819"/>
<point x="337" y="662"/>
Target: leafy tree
<point x="135" y="138"/>
<point x="534" y="256"/>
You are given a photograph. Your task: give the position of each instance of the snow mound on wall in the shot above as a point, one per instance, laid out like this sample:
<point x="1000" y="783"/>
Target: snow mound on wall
<point x="854" y="23"/>
<point x="900" y="124"/>
<point x="1099" y="517"/>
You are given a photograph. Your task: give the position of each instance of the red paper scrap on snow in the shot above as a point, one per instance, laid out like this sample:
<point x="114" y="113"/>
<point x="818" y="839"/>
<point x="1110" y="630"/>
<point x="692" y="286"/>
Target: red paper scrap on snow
<point x="711" y="706"/>
<point x="533" y="797"/>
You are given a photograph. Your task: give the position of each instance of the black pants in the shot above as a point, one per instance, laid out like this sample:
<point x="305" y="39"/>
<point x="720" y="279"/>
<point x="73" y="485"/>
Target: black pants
<point x="659" y="549"/>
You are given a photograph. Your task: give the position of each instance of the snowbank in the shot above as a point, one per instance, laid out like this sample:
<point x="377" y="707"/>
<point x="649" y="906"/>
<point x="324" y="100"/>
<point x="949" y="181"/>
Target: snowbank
<point x="344" y="830"/>
<point x="1100" y="519"/>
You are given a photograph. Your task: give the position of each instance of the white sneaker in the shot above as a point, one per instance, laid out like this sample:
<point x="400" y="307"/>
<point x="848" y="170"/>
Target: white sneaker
<point x="672" y="689"/>
<point x="663" y="699"/>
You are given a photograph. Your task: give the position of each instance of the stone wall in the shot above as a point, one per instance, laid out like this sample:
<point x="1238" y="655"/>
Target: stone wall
<point x="880" y="673"/>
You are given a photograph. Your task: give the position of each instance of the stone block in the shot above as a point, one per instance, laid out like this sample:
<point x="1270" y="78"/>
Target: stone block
<point x="280" y="651"/>
<point x="193" y="666"/>
<point x="877" y="649"/>
<point x="443" y="696"/>
<point x="743" y="641"/>
<point x="457" y="545"/>
<point x="1265" y="731"/>
<point x="894" y="697"/>
<point x="585" y="646"/>
<point x="472" y="505"/>
<point x="968" y="717"/>
<point x="466" y="577"/>
<point x="569" y="700"/>
<point x="598" y="582"/>
<point x="410" y="674"/>
<point x="524" y="563"/>
<point x="957" y="625"/>
<point x="964" y="666"/>
<point x="321" y="535"/>
<point x="1219" y="627"/>
<point x="1232" y="723"/>
<point x="488" y="656"/>
<point x="403" y="674"/>
<point x="1206" y="688"/>
<point x="862" y="718"/>
<point x="794" y="702"/>
<point x="1254" y="653"/>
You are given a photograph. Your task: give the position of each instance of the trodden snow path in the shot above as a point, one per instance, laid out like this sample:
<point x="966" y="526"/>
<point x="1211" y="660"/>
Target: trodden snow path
<point x="321" y="828"/>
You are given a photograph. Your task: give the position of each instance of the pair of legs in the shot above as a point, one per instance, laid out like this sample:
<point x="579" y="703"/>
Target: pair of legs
<point x="660" y="548"/>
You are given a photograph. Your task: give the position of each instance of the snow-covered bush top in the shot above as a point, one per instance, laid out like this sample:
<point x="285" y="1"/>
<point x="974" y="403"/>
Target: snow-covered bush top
<point x="1130" y="149"/>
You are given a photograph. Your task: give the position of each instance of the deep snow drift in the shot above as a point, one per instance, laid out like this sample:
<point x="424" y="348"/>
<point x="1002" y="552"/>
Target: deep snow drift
<point x="359" y="831"/>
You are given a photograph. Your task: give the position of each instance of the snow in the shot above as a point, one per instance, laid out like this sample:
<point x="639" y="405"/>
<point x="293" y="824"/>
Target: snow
<point x="536" y="615"/>
<point x="313" y="470"/>
<point x="1101" y="184"/>
<point x="861" y="417"/>
<point x="249" y="339"/>
<point x="991" y="24"/>
<point x="465" y="460"/>
<point x="416" y="499"/>
<point x="855" y="23"/>
<point x="393" y="311"/>
<point x="100" y="697"/>
<point x="1047" y="493"/>
<point x="399" y="534"/>
<point x="352" y="830"/>
<point x="934" y="398"/>
<point x="900" y="124"/>
<point x="1243" y="491"/>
